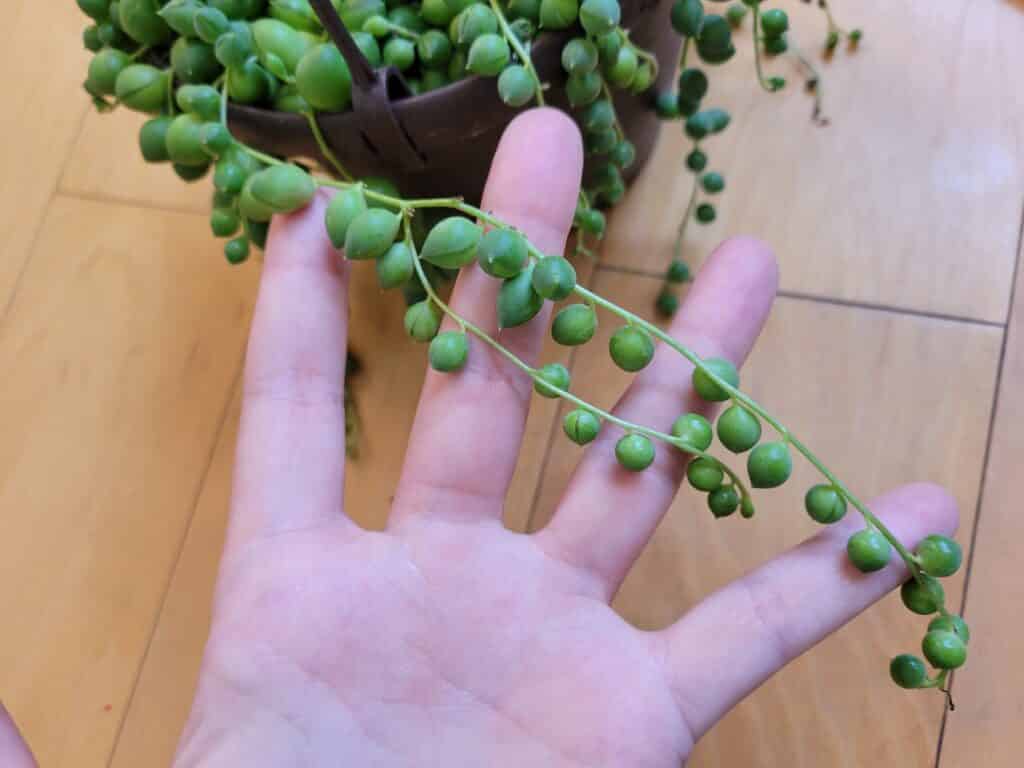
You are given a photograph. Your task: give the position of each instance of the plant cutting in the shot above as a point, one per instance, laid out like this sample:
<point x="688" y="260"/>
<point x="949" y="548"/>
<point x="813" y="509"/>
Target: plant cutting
<point x="226" y="82"/>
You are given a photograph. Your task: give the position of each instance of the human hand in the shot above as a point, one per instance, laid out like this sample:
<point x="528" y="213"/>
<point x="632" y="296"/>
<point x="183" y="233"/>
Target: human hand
<point x="448" y="640"/>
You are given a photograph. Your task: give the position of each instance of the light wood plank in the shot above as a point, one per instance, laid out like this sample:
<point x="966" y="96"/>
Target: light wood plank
<point x="387" y="391"/>
<point x="884" y="399"/>
<point x="119" y="353"/>
<point x="985" y="728"/>
<point x="42" y="111"/>
<point x="910" y="198"/>
<point x="105" y="163"/>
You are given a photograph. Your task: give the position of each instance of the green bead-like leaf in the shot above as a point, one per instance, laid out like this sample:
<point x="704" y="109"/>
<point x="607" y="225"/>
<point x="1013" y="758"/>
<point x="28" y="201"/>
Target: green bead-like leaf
<point x="422" y="320"/>
<point x="581" y="426"/>
<point x="323" y="78"/>
<point x="153" y="140"/>
<point x="687" y="16"/>
<point x="598" y="17"/>
<point x="574" y="325"/>
<point x="104" y="70"/>
<point x="283" y="188"/>
<point x="553" y="374"/>
<point x="452" y="243"/>
<point x="558" y="14"/>
<point x="141" y="21"/>
<point x="516" y="86"/>
<point x="142" y="88"/>
<point x="184" y="141"/>
<point x="488" y="55"/>
<point x="518" y="303"/>
<point x="395" y="267"/>
<point x="371" y="233"/>
<point x="449" y="351"/>
<point x="502" y="253"/>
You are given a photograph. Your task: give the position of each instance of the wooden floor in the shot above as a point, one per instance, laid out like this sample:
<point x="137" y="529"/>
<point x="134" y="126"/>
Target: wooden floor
<point x="896" y="350"/>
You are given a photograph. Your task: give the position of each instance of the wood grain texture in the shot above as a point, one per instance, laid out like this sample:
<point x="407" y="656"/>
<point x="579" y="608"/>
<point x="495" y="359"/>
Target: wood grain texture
<point x="43" y="108"/>
<point x="910" y="198"/>
<point x="887" y="399"/>
<point x="106" y="163"/>
<point x="985" y="728"/>
<point x="119" y="353"/>
<point x="387" y="391"/>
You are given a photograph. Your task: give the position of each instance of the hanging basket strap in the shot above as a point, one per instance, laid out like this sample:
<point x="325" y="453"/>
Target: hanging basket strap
<point x="372" y="91"/>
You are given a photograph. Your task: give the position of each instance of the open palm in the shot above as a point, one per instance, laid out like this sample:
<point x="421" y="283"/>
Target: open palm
<point x="448" y="640"/>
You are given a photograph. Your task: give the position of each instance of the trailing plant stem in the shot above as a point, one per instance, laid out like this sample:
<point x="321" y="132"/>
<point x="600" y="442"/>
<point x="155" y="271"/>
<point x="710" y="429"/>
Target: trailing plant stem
<point x="684" y="223"/>
<point x="327" y="152"/>
<point x="407" y="206"/>
<point x="757" y="50"/>
<point x="521" y="52"/>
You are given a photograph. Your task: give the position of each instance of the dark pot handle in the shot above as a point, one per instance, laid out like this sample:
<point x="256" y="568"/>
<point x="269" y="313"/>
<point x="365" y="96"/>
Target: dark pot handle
<point x="372" y="92"/>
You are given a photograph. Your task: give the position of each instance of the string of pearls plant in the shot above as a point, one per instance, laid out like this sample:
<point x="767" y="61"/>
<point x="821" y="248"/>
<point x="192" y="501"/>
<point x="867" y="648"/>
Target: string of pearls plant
<point x="183" y="61"/>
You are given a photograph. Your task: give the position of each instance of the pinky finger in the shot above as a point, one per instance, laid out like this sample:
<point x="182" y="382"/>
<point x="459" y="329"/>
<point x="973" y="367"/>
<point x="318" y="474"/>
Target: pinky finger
<point x="741" y="635"/>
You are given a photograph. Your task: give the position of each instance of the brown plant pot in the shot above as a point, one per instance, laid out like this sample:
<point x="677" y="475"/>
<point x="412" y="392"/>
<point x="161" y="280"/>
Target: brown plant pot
<point x="441" y="143"/>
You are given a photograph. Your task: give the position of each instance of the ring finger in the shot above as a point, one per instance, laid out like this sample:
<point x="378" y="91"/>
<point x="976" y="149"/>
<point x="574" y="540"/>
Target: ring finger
<point x="608" y="513"/>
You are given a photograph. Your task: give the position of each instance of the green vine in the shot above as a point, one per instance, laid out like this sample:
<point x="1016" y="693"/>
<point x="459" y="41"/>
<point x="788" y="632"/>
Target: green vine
<point x="417" y="244"/>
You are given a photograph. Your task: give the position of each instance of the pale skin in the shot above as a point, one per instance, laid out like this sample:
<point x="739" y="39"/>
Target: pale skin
<point x="448" y="640"/>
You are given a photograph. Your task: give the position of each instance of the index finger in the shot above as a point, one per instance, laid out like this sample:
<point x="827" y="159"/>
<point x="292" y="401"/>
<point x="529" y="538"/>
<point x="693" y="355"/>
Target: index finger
<point x="290" y="461"/>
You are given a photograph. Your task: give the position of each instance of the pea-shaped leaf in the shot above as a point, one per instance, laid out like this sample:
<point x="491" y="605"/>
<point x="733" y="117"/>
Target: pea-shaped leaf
<point x="180" y="16"/>
<point x="141" y="21"/>
<point x="434" y="48"/>
<point x="94" y="9"/>
<point x="224" y="222"/>
<point x="643" y="79"/>
<point x="184" y="141"/>
<point x="354" y="13"/>
<point x="516" y="86"/>
<point x="257" y="232"/>
<point x="525" y="9"/>
<point x="104" y="70"/>
<point x="452" y="243"/>
<point x="395" y="267"/>
<point x="608" y="47"/>
<point x="574" y="325"/>
<point x="693" y="84"/>
<point x="488" y="55"/>
<point x="583" y="89"/>
<point x="288" y="99"/>
<point x="201" y="100"/>
<point x="558" y="14"/>
<point x="233" y="169"/>
<point x="234" y="48"/>
<point x="502" y="253"/>
<point x="153" y="140"/>
<point x="249" y="83"/>
<point x="191" y="173"/>
<point x="323" y="79"/>
<point x="518" y="303"/>
<point x="142" y="88"/>
<point x="297" y="14"/>
<point x="371" y="233"/>
<point x="275" y="38"/>
<point x="554" y="278"/>
<point x="600" y="16"/>
<point x="250" y="206"/>
<point x="579" y="56"/>
<point x="210" y="24"/>
<point x="687" y="16"/>
<point x="284" y="188"/>
<point x="341" y="211"/>
<point x="477" y="19"/>
<point x="422" y="320"/>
